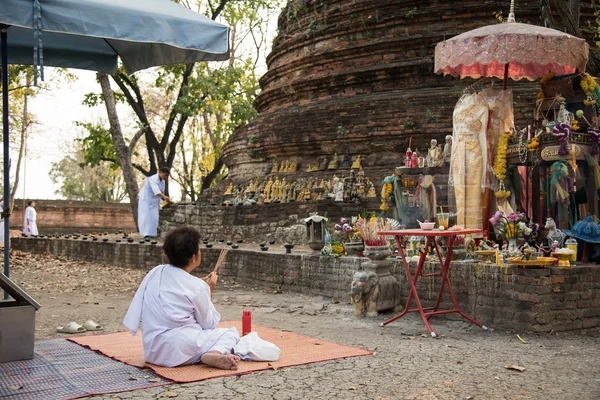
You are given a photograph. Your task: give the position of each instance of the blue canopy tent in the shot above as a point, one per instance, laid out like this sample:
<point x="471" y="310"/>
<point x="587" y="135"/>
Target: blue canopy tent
<point x="92" y="35"/>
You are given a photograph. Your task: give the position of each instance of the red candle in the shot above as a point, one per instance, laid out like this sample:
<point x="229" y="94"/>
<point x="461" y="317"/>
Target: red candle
<point x="246" y="322"/>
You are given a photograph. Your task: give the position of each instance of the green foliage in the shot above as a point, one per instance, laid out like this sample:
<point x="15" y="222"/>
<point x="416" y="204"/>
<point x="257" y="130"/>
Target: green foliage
<point x="341" y="131"/>
<point x="410" y="125"/>
<point x="97" y="146"/>
<point x="78" y="181"/>
<point x="430" y="116"/>
<point x="457" y="91"/>
<point x="253" y="138"/>
<point x="410" y="14"/>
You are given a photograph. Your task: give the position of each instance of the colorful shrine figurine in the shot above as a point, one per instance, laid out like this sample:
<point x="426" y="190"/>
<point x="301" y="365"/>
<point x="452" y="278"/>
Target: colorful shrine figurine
<point x="356" y="163"/>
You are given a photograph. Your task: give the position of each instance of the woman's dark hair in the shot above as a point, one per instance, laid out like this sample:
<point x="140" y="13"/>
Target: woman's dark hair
<point x="181" y="244"/>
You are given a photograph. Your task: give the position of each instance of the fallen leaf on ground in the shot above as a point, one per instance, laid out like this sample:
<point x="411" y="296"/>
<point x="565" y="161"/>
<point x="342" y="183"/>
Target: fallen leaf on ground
<point x="154" y="380"/>
<point x="522" y="340"/>
<point x="515" y="367"/>
<point x="16" y="387"/>
<point x="273" y="367"/>
<point x="170" y="394"/>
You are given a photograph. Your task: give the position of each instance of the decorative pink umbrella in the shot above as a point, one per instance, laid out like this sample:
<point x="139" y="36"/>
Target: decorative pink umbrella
<point x="512" y="50"/>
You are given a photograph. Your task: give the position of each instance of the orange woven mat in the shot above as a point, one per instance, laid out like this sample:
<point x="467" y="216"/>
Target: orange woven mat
<point x="295" y="350"/>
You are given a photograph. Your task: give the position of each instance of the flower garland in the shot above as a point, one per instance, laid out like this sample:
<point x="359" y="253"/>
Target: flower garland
<point x="595" y="140"/>
<point x="562" y="131"/>
<point x="588" y="84"/>
<point x="533" y="144"/>
<point x="386" y="192"/>
<point x="500" y="159"/>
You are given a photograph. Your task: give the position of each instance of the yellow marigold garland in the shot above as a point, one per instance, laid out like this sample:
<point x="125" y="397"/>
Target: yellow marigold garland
<point x="500" y="159"/>
<point x="386" y="192"/>
<point x="533" y="145"/>
<point x="588" y="84"/>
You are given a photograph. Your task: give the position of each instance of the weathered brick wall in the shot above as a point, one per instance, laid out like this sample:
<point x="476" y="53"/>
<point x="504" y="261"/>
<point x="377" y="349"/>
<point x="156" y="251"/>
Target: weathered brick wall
<point x="507" y="297"/>
<point x="358" y="76"/>
<point x="78" y="216"/>
<point x="278" y="221"/>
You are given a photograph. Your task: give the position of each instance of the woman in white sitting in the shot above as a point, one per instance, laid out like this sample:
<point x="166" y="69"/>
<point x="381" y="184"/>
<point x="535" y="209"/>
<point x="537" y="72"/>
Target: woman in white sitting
<point x="179" y="321"/>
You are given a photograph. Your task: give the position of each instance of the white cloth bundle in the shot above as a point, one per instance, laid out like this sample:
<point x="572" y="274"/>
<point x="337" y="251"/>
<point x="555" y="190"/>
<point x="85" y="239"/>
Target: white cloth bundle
<point x="253" y="348"/>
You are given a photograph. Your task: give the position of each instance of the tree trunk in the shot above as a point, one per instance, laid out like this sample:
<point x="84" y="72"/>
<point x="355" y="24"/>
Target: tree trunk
<point x="24" y="126"/>
<point x="211" y="176"/>
<point x="123" y="152"/>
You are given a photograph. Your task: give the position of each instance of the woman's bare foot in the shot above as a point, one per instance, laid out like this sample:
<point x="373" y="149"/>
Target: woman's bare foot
<point x="221" y="361"/>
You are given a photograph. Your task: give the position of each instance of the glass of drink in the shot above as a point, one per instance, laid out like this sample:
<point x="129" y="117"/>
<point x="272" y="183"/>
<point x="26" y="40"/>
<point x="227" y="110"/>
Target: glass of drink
<point x="443" y="219"/>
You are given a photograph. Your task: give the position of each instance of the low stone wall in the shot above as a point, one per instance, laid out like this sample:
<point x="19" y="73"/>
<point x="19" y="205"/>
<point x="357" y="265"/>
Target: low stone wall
<point x="507" y="297"/>
<point x="76" y="216"/>
<point x="278" y="221"/>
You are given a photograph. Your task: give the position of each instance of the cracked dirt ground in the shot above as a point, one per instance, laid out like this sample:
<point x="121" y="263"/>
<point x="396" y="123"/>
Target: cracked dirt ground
<point x="464" y="363"/>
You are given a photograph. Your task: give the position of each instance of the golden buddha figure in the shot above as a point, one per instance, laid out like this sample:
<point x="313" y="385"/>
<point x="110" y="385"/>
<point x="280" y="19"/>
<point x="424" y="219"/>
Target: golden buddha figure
<point x="356" y="163"/>
<point x="293" y="166"/>
<point x="268" y="187"/>
<point x="276" y="190"/>
<point x="229" y="190"/>
<point x="334" y="163"/>
<point x="276" y="167"/>
<point x="371" y="193"/>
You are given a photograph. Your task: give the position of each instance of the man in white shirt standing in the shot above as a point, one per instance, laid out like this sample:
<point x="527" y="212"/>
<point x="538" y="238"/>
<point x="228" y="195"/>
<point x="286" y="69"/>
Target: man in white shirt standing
<point x="149" y="202"/>
<point x="29" y="220"/>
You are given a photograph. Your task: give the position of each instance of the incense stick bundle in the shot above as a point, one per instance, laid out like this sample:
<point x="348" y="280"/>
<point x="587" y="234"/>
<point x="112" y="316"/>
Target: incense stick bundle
<point x="220" y="260"/>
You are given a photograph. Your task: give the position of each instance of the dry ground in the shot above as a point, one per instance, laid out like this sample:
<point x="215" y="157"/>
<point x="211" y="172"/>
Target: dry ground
<point x="465" y="363"/>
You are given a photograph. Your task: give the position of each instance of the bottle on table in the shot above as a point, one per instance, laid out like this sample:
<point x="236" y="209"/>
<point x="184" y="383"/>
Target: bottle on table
<point x="571" y="243"/>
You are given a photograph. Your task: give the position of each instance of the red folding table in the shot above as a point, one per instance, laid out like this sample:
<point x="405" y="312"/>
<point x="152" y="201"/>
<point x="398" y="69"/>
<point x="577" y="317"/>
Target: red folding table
<point x="427" y="312"/>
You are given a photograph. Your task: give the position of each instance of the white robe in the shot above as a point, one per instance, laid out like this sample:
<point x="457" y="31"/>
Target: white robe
<point x="31" y="215"/>
<point x="178" y="318"/>
<point x="149" y="205"/>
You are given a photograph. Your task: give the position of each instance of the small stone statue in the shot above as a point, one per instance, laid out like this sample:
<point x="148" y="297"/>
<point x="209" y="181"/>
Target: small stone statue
<point x="356" y="163"/>
<point x="360" y="177"/>
<point x="333" y="164"/>
<point x="261" y="199"/>
<point x="275" y="167"/>
<point x="448" y="149"/>
<point x="293" y="166"/>
<point x="284" y="191"/>
<point x="440" y="159"/>
<point x="346" y="161"/>
<point x="364" y="293"/>
<point x="338" y="189"/>
<point x="324" y="163"/>
<point x="268" y="168"/>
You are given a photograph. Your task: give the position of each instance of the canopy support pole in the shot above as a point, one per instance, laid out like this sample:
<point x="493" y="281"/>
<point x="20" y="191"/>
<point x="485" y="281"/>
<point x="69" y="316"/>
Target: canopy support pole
<point x="505" y="76"/>
<point x="5" y="127"/>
